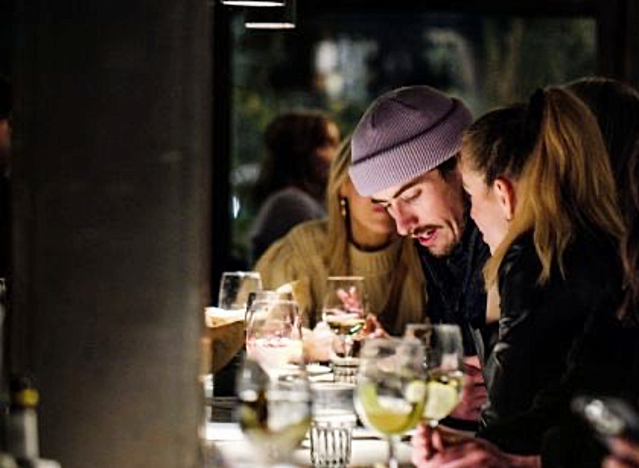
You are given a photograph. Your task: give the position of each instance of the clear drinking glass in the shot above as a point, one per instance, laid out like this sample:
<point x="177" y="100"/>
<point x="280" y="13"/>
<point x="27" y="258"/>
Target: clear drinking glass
<point x="332" y="424"/>
<point x="256" y="298"/>
<point x="344" y="310"/>
<point x="235" y="288"/>
<point x="444" y="354"/>
<point x="275" y="410"/>
<point x="274" y="334"/>
<point x="391" y="391"/>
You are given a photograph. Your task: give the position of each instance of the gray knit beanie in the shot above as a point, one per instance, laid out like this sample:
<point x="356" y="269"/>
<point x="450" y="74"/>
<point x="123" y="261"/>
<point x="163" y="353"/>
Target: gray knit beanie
<point x="404" y="134"/>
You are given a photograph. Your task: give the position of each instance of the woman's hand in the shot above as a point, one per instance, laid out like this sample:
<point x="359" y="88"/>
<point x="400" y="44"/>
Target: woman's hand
<point x="623" y="454"/>
<point x="351" y="300"/>
<point x="439" y="449"/>
<point x="474" y="394"/>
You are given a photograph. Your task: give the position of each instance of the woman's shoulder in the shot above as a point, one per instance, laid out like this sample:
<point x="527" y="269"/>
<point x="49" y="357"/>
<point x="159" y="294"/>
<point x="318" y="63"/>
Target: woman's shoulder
<point x="589" y="253"/>
<point x="521" y="259"/>
<point x="305" y="239"/>
<point x="314" y="232"/>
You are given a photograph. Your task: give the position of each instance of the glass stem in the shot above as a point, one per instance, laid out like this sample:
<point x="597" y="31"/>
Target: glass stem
<point x="348" y="346"/>
<point x="392" y="452"/>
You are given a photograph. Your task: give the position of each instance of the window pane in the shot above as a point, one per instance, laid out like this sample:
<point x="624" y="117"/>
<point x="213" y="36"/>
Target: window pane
<point x="340" y="63"/>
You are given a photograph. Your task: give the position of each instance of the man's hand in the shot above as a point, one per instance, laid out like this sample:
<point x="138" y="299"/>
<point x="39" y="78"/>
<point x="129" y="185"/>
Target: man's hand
<point x="433" y="449"/>
<point x="623" y="454"/>
<point x="373" y="329"/>
<point x="474" y="394"/>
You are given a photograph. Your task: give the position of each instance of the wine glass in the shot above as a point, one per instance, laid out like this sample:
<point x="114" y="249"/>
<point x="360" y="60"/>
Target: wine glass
<point x="275" y="410"/>
<point x="274" y="334"/>
<point x="444" y="353"/>
<point x="344" y="310"/>
<point x="235" y="288"/>
<point x="265" y="295"/>
<point x="390" y="390"/>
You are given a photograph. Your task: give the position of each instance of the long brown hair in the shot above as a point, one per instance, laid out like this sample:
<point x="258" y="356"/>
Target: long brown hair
<point x="555" y="151"/>
<point x="338" y="240"/>
<point x="616" y="106"/>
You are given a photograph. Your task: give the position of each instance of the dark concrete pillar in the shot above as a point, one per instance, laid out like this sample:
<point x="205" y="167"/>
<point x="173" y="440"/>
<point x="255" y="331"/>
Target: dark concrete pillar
<point x="111" y="225"/>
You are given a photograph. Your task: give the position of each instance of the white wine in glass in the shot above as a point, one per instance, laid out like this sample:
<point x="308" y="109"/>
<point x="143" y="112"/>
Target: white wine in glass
<point x="344" y="309"/>
<point x="444" y="353"/>
<point x="274" y="411"/>
<point x="391" y="391"/>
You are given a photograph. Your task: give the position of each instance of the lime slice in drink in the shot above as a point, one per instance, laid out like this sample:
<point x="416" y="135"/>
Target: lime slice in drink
<point x="441" y="400"/>
<point x="387" y="414"/>
<point x="415" y="391"/>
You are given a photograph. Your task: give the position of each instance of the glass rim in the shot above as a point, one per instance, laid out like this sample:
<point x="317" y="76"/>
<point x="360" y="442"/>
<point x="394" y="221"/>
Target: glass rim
<point x="345" y="278"/>
<point x="254" y="274"/>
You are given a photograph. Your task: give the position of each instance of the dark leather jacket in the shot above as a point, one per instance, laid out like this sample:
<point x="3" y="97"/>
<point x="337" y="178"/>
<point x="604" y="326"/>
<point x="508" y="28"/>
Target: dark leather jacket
<point x="555" y="340"/>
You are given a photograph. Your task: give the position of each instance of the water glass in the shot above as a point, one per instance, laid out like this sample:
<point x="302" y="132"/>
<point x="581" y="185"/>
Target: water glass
<point x="332" y="424"/>
<point x="345" y="369"/>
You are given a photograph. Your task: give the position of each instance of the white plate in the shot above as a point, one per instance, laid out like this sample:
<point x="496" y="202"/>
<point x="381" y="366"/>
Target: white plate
<point x="317" y="369"/>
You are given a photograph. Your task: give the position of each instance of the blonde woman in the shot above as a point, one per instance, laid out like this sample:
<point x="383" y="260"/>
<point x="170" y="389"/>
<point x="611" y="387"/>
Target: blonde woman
<point x="543" y="196"/>
<point x="358" y="239"/>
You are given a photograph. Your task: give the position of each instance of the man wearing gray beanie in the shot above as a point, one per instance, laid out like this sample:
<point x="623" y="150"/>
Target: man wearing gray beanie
<point x="404" y="156"/>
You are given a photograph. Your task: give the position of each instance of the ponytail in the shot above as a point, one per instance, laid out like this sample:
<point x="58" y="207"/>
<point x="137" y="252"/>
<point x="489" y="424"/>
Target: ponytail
<point x="566" y="184"/>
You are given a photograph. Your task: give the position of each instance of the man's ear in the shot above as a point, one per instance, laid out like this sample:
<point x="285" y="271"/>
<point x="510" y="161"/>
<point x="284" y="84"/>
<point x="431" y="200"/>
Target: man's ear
<point x="506" y="196"/>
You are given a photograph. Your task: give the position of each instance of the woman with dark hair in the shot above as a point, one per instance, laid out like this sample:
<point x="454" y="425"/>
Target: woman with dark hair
<point x="543" y="196"/>
<point x="292" y="181"/>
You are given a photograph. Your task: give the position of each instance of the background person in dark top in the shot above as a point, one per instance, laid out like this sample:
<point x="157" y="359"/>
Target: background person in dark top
<point x="291" y="186"/>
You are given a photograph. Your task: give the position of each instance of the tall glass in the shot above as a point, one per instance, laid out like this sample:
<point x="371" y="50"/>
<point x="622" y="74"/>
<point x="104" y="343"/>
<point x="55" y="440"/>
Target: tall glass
<point x="275" y="410"/>
<point x="444" y="354"/>
<point x="390" y="391"/>
<point x="344" y="310"/>
<point x="235" y="288"/>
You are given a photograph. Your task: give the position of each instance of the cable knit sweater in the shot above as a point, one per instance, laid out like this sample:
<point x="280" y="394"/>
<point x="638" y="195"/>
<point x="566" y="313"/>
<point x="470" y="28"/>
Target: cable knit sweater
<point x="298" y="257"/>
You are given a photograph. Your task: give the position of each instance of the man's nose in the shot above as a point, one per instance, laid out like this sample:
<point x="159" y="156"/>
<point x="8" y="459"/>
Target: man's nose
<point x="405" y="219"/>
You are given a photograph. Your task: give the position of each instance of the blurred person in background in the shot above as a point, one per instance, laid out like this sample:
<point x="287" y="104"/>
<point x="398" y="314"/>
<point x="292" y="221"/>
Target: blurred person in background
<point x="357" y="239"/>
<point x="292" y="182"/>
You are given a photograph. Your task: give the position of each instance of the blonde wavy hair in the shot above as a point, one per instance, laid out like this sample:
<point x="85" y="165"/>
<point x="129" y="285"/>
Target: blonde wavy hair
<point x="338" y="238"/>
<point x="555" y="151"/>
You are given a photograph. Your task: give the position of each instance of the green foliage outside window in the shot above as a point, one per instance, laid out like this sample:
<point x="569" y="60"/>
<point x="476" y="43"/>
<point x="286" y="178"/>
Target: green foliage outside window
<point x="341" y="63"/>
